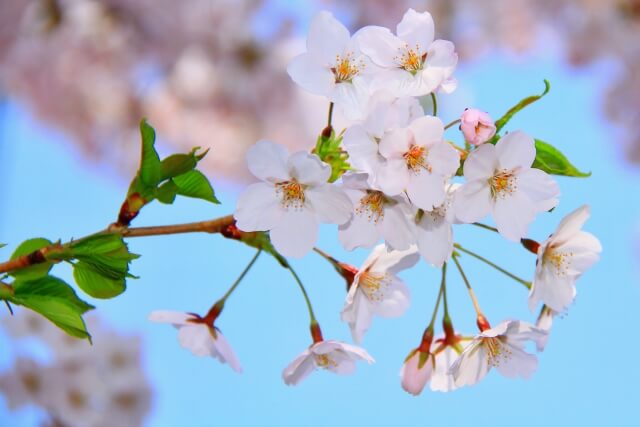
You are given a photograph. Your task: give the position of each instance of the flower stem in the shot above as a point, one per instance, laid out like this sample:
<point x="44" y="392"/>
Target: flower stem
<point x="453" y="123"/>
<point x="485" y="226"/>
<point x="444" y="295"/>
<point x="443" y="282"/>
<point x="334" y="262"/>
<point x="472" y="295"/>
<point x="239" y="279"/>
<point x="497" y="267"/>
<point x="330" y="115"/>
<point x="312" y="317"/>
<point x="435" y="104"/>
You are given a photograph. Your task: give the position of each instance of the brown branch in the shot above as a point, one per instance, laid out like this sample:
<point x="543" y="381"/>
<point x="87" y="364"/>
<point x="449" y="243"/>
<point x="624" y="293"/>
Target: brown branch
<point x="224" y="225"/>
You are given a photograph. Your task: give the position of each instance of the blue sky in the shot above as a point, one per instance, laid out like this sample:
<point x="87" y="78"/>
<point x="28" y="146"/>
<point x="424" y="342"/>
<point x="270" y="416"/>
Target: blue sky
<point x="586" y="376"/>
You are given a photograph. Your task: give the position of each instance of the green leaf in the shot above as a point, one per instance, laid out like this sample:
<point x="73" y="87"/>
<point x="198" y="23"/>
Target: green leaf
<point x="502" y="121"/>
<point x="55" y="300"/>
<point x="150" y="166"/>
<point x="94" y="283"/>
<point x="52" y="287"/>
<point x="551" y="160"/>
<point x="2" y="245"/>
<point x="103" y="264"/>
<point x="25" y="248"/>
<point x="195" y="184"/>
<point x="179" y="164"/>
<point x="167" y="192"/>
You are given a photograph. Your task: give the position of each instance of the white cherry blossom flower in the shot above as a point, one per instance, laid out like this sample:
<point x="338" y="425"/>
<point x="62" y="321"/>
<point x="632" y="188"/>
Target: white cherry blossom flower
<point x="385" y="113"/>
<point x="500" y="180"/>
<point x="375" y="215"/>
<point x="434" y="231"/>
<point x="333" y="66"/>
<point x="418" y="162"/>
<point x="501" y="347"/>
<point x="562" y="259"/>
<point x="414" y="64"/>
<point x="377" y="290"/>
<point x="441" y="379"/>
<point x="198" y="337"/>
<point x="335" y="356"/>
<point x="293" y="199"/>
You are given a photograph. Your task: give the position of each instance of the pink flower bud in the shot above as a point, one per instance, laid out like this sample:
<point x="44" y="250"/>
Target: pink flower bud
<point x="477" y="126"/>
<point x="416" y="372"/>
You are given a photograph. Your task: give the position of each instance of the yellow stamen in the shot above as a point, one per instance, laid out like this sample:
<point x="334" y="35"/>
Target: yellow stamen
<point x="345" y="68"/>
<point x="498" y="351"/>
<point x="374" y="285"/>
<point x="372" y="205"/>
<point x="416" y="158"/>
<point x="325" y="361"/>
<point x="292" y="193"/>
<point x="503" y="183"/>
<point x="411" y="59"/>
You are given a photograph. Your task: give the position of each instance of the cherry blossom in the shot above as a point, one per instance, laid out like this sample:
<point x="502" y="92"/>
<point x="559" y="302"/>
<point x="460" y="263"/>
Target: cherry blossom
<point x="335" y="356"/>
<point x="333" y="66"/>
<point x="292" y="200"/>
<point x="418" y="161"/>
<point x="377" y="290"/>
<point x="477" y="126"/>
<point x="501" y="347"/>
<point x="562" y="259"/>
<point x="434" y="231"/>
<point x="375" y="215"/>
<point x="414" y="64"/>
<point x="416" y="371"/>
<point x="500" y="180"/>
<point x="198" y="337"/>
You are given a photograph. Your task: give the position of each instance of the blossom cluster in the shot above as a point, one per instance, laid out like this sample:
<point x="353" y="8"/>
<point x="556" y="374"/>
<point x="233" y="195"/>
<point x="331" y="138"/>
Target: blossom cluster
<point x="78" y="385"/>
<point x="406" y="184"/>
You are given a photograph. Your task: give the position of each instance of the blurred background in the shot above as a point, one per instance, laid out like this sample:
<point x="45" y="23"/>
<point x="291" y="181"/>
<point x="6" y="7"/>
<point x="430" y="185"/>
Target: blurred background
<point x="76" y="76"/>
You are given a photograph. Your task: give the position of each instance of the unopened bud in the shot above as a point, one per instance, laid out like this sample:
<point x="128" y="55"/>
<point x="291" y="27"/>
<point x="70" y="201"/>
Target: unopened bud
<point x="530" y="245"/>
<point x="477" y="126"/>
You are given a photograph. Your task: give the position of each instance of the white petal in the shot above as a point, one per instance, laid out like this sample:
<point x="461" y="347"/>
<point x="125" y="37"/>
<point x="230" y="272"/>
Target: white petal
<point x="427" y="131"/>
<point x="513" y="214"/>
<point x="413" y="378"/>
<point x="518" y="364"/>
<point x="442" y="56"/>
<point x="426" y="190"/>
<point x="481" y="163"/>
<point x="416" y="29"/>
<point x="473" y="201"/>
<point x="298" y="369"/>
<point x="381" y="260"/>
<point x="471" y="366"/>
<point x="442" y="380"/>
<point x="296" y="234"/>
<point x="444" y="159"/>
<point x="395" y="228"/>
<point x="308" y="169"/>
<point x="396" y="301"/>
<point x="197" y="338"/>
<point x="393" y="176"/>
<point x="395" y="144"/>
<point x="173" y="317"/>
<point x="357" y="314"/>
<point x="362" y="149"/>
<point x="571" y="224"/>
<point x="268" y="161"/>
<point x="311" y="75"/>
<point x="226" y="352"/>
<point x="259" y="208"/>
<point x="435" y="239"/>
<point x="379" y="44"/>
<point x="330" y="203"/>
<point x="540" y="188"/>
<point x="327" y="38"/>
<point x="555" y="291"/>
<point x="358" y="232"/>
<point x="515" y="150"/>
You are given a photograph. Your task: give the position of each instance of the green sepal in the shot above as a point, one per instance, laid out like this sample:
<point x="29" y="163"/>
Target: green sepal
<point x="551" y="160"/>
<point x="150" y="166"/>
<point x="261" y="240"/>
<point x="502" y="121"/>
<point x="195" y="184"/>
<point x="422" y="359"/>
<point x="25" y="248"/>
<point x="329" y="150"/>
<point x="55" y="300"/>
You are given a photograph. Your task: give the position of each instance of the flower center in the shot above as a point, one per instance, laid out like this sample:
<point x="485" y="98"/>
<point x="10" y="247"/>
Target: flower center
<point x="560" y="260"/>
<point x="372" y="205"/>
<point x="292" y="194"/>
<point x="416" y="158"/>
<point x="411" y="60"/>
<point x="346" y="68"/>
<point x="325" y="361"/>
<point x="498" y="352"/>
<point x="374" y="285"/>
<point x="503" y="183"/>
